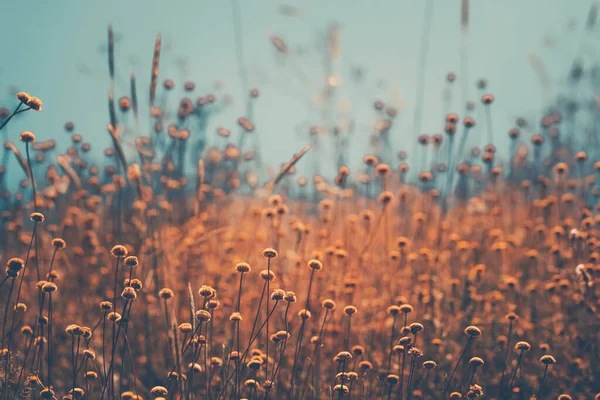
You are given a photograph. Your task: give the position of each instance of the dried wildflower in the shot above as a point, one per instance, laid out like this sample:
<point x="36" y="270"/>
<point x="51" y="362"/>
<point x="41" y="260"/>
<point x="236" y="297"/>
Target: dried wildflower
<point x="23" y="97"/>
<point x="269" y="253"/>
<point x="522" y="346"/>
<point x="35" y="103"/>
<point x="59" y="243"/>
<point x="119" y="251"/>
<point x="328" y="304"/>
<point x="547" y="360"/>
<point x="277" y="295"/>
<point x="243" y="267"/>
<point x="315" y="265"/>
<point x="350" y="310"/>
<point x="203" y="315"/>
<point x="37" y="217"/>
<point x="267" y="275"/>
<point x="206" y="291"/>
<point x="27" y="137"/>
<point x="472" y="331"/>
<point x="165" y="293"/>
<point x="131" y="261"/>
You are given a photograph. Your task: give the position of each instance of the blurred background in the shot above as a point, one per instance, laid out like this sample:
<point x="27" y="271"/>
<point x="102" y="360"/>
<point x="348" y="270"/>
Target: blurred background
<point x="293" y="51"/>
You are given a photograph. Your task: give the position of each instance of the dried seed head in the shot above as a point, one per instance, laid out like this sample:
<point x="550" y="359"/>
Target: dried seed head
<point x="119" y="251"/>
<point x="37" y="217"/>
<point x="14" y="265"/>
<point x="476" y="362"/>
<point x="350" y="310"/>
<point x="522" y="346"/>
<point x="58" y="243"/>
<point x="129" y="293"/>
<point x="35" y="103"/>
<point x="392" y="379"/>
<point x="277" y="295"/>
<point x="393" y="310"/>
<point x="487" y="99"/>
<point x="23" y="97"/>
<point x="365" y="365"/>
<point x="290" y="297"/>
<point x="406" y="308"/>
<point x="269" y="253"/>
<point x="267" y="275"/>
<point x="548" y="360"/>
<point x="342" y="356"/>
<point x="49" y="287"/>
<point x="206" y="291"/>
<point x="159" y="391"/>
<point x="472" y="331"/>
<point x="185" y="328"/>
<point x="203" y="315"/>
<point x="27" y="137"/>
<point x="106" y="305"/>
<point x="304" y="314"/>
<point x="328" y="304"/>
<point x="243" y="267"/>
<point x="235" y="316"/>
<point x="165" y="293"/>
<point x="47" y="394"/>
<point x="415" y="327"/>
<point x="315" y="265"/>
<point x="430" y="364"/>
<point x="405" y="340"/>
<point x="131" y="261"/>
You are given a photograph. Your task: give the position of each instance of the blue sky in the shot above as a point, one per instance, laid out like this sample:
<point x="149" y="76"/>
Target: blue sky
<point x="55" y="50"/>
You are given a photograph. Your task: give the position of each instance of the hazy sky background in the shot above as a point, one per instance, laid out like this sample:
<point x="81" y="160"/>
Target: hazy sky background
<point x="56" y="50"/>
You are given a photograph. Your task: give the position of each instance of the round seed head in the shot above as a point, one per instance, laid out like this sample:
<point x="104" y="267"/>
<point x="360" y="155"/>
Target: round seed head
<point x="267" y="275"/>
<point x="392" y="379"/>
<point x="15" y="265"/>
<point x="315" y="265"/>
<point x="405" y="340"/>
<point x="269" y="253"/>
<point x="430" y="364"/>
<point x="243" y="267"/>
<point x="131" y="261"/>
<point x="27" y="137"/>
<point x="165" y="293"/>
<point x="358" y="350"/>
<point x="522" y="346"/>
<point x="350" y="310"/>
<point x="23" y="97"/>
<point x="49" y="287"/>
<point x="342" y="356"/>
<point x="328" y="304"/>
<point x="235" y="316"/>
<point x="290" y="297"/>
<point x="35" y="103"/>
<point x="206" y="291"/>
<point x="119" y="251"/>
<point x="476" y="362"/>
<point x="365" y="365"/>
<point x="406" y="308"/>
<point x="415" y="327"/>
<point x="548" y="360"/>
<point x="277" y="295"/>
<point x="129" y="293"/>
<point x="203" y="315"/>
<point x="106" y="305"/>
<point x="472" y="331"/>
<point x="58" y="243"/>
<point x="159" y="391"/>
<point x="37" y="217"/>
<point x="393" y="310"/>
